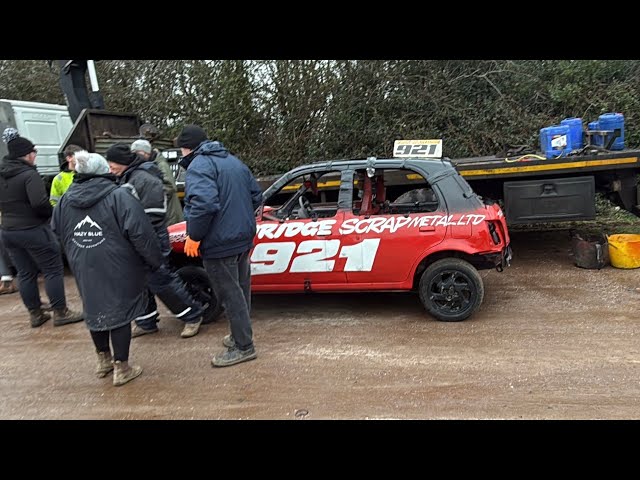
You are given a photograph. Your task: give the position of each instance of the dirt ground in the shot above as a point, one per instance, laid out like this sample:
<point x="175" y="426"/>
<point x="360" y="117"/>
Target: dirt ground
<point x="551" y="341"/>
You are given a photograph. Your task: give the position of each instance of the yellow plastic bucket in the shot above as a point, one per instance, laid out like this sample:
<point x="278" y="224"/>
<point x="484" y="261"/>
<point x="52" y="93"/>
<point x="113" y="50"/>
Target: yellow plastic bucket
<point x="624" y="250"/>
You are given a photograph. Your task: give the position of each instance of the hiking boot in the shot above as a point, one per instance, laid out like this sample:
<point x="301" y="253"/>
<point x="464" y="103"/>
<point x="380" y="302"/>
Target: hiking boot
<point x="191" y="329"/>
<point x="38" y="317"/>
<point x="123" y="373"/>
<point x="228" y="341"/>
<point x="138" y="331"/>
<point x="105" y="364"/>
<point x="8" y="286"/>
<point x="234" y="355"/>
<point x="64" y="316"/>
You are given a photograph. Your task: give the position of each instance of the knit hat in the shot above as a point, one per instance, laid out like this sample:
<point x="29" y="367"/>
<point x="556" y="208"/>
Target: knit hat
<point x="191" y="136"/>
<point x="18" y="146"/>
<point x="141" y="145"/>
<point x="120" y="153"/>
<point x="91" y="163"/>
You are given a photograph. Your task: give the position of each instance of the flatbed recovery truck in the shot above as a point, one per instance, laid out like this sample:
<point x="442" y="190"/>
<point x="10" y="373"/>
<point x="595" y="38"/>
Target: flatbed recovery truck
<point x="534" y="189"/>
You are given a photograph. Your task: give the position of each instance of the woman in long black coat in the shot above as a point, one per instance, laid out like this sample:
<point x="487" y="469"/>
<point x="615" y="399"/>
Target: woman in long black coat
<point x="111" y="247"/>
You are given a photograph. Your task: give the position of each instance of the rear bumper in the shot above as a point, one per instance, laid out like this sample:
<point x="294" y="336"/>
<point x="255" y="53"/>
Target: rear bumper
<point x="498" y="260"/>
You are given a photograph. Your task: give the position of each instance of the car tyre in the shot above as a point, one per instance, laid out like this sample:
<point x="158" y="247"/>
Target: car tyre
<point x="199" y="286"/>
<point x="451" y="289"/>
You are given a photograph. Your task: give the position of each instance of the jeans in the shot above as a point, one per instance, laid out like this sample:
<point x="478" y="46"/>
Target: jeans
<point x="32" y="251"/>
<point x="231" y="282"/>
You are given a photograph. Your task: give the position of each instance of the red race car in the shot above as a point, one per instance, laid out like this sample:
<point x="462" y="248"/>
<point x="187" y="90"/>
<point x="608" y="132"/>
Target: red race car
<point x="370" y="225"/>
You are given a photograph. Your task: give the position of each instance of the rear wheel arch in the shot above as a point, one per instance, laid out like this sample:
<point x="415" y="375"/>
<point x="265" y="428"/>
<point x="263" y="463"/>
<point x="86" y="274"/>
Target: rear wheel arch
<point x="434" y="257"/>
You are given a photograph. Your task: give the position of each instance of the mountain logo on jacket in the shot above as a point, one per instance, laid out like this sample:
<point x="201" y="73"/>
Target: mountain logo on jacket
<point x="87" y="233"/>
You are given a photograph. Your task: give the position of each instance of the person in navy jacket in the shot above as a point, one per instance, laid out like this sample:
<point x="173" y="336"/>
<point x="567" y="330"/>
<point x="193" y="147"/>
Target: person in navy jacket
<point x="221" y="196"/>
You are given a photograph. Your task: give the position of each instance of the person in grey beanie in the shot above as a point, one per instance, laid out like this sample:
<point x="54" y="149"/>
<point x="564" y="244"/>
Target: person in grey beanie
<point x="143" y="149"/>
<point x="111" y="247"/>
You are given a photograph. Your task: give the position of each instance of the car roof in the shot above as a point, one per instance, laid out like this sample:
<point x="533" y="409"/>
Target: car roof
<point x="429" y="167"/>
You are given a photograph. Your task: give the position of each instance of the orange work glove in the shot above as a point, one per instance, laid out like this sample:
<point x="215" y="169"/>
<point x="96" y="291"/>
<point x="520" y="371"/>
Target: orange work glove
<point x="191" y="247"/>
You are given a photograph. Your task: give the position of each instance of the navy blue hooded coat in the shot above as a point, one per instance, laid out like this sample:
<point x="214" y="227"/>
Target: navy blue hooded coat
<point x="221" y="196"/>
<point x="110" y="245"/>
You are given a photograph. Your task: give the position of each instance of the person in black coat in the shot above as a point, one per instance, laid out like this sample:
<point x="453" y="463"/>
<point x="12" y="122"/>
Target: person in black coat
<point x="25" y="207"/>
<point x="145" y="179"/>
<point x="111" y="248"/>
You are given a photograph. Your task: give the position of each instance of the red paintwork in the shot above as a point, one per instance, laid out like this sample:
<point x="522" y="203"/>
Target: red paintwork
<point x="397" y="257"/>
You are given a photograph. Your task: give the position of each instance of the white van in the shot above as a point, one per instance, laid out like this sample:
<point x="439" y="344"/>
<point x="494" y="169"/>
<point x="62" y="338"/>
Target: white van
<point x="45" y="124"/>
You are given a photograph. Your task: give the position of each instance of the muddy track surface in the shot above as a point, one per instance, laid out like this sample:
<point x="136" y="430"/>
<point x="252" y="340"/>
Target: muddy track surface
<point x="551" y="341"/>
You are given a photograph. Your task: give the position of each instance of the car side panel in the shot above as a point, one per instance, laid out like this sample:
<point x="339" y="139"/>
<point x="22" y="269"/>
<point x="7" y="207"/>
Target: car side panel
<point x="295" y="252"/>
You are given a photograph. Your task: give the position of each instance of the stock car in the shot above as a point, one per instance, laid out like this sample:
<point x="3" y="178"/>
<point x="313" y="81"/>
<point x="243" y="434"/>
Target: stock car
<point x="370" y="225"/>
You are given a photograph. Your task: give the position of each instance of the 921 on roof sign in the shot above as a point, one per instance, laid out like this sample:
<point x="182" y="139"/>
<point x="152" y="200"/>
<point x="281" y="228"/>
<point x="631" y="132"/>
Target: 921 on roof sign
<point x="417" y="149"/>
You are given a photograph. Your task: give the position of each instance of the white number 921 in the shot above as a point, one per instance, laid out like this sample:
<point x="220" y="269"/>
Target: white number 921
<point x="313" y="256"/>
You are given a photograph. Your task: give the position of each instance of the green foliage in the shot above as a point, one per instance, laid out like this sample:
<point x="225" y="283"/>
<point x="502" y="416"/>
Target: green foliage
<point x="282" y="113"/>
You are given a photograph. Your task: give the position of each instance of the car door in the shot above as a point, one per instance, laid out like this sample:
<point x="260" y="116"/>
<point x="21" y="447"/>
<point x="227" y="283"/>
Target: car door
<point x="294" y="253"/>
<point x="385" y="238"/>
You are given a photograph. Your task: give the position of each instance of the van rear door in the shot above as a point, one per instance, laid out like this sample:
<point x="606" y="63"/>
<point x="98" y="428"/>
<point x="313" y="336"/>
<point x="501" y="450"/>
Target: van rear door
<point x="46" y="125"/>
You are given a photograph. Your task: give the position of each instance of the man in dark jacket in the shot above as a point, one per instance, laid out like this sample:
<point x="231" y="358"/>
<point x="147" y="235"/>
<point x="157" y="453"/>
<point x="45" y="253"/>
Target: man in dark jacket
<point x="143" y="149"/>
<point x="111" y="246"/>
<point x="26" y="233"/>
<point x="221" y="196"/>
<point x="144" y="179"/>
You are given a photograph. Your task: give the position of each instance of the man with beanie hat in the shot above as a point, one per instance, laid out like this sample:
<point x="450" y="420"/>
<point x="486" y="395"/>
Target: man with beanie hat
<point x="145" y="181"/>
<point x="191" y="136"/>
<point x="101" y="224"/>
<point x="221" y="196"/>
<point x="26" y="233"/>
<point x="174" y="210"/>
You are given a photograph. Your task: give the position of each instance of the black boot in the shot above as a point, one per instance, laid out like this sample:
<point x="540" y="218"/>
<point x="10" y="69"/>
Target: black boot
<point x="38" y="317"/>
<point x="63" y="316"/>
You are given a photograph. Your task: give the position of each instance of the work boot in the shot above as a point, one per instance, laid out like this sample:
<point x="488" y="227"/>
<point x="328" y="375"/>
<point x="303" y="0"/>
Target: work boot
<point x="123" y="373"/>
<point x="191" y="329"/>
<point x="228" y="341"/>
<point x="8" y="286"/>
<point x="234" y="355"/>
<point x="63" y="316"/>
<point x="138" y="331"/>
<point x="105" y="364"/>
<point x="38" y="317"/>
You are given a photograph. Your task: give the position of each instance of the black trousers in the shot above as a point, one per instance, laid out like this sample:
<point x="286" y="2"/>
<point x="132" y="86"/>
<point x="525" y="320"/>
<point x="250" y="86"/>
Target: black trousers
<point x="120" y="339"/>
<point x="32" y="251"/>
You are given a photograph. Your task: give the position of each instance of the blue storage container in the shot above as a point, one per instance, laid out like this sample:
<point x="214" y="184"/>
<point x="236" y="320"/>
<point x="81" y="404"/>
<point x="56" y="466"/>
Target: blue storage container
<point x="612" y="121"/>
<point x="554" y="141"/>
<point x="597" y="140"/>
<point x="575" y="132"/>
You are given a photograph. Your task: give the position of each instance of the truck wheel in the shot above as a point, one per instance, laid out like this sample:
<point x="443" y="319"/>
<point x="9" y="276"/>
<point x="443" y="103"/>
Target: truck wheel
<point x="197" y="282"/>
<point x="451" y="289"/>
